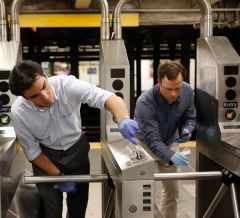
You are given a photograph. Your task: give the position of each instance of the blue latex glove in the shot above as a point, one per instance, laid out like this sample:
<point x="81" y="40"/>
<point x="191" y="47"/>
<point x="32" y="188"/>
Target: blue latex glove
<point x="184" y="136"/>
<point x="128" y="129"/>
<point x="179" y="158"/>
<point x="67" y="187"/>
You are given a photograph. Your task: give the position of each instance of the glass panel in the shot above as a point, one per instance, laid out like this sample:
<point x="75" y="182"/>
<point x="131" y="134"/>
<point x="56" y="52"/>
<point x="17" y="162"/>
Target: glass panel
<point x="89" y="72"/>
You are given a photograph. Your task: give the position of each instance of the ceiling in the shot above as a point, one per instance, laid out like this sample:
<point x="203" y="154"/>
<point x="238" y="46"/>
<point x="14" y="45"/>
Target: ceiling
<point x="152" y="12"/>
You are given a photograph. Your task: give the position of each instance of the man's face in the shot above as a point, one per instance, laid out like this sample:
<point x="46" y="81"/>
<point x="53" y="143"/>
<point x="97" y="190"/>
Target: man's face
<point x="170" y="89"/>
<point x="41" y="93"/>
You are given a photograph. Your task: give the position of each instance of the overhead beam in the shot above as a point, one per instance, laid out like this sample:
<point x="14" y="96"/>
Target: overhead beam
<point x="72" y="20"/>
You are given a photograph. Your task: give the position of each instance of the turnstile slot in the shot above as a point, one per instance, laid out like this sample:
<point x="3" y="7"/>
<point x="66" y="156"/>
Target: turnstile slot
<point x="146" y="201"/>
<point x="146" y="194"/>
<point x="147" y="187"/>
<point x="146" y="208"/>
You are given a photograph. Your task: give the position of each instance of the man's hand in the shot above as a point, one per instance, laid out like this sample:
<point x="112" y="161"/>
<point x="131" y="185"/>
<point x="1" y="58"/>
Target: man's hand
<point x="128" y="129"/>
<point x="184" y="136"/>
<point x="179" y="158"/>
<point x="67" y="187"/>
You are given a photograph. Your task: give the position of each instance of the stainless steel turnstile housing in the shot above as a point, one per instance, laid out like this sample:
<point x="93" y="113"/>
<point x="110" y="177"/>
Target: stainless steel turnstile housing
<point x="12" y="160"/>
<point x="218" y="109"/>
<point x="132" y="191"/>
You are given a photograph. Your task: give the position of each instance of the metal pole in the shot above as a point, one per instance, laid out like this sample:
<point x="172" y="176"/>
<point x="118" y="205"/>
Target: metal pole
<point x="234" y="200"/>
<point x="216" y="201"/>
<point x="66" y="178"/>
<point x="188" y="175"/>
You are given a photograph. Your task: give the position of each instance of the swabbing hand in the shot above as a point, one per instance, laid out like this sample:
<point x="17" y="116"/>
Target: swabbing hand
<point x="179" y="158"/>
<point x="128" y="129"/>
<point x="184" y="136"/>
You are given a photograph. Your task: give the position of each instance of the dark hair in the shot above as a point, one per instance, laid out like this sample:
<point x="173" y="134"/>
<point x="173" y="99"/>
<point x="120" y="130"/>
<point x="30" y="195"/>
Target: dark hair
<point x="23" y="76"/>
<point x="171" y="70"/>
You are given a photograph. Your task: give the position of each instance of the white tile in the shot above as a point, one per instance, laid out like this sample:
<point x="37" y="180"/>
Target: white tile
<point x="94" y="209"/>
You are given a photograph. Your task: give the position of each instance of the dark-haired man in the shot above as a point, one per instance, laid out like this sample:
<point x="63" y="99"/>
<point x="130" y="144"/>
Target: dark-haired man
<point x="47" y="121"/>
<point x="166" y="116"/>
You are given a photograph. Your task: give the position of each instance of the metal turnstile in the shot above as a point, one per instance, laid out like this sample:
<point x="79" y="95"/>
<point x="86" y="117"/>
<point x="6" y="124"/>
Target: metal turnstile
<point x="12" y="161"/>
<point x="132" y="191"/>
<point x="218" y="121"/>
<point x="128" y="180"/>
<point x="217" y="98"/>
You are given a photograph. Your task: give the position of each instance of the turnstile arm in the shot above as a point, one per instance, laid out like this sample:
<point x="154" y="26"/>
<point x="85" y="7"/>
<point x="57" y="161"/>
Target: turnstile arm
<point x="188" y="175"/>
<point x="66" y="178"/>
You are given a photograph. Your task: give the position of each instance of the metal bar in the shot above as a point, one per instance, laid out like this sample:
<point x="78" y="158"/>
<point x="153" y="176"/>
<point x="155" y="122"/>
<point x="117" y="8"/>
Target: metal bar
<point x="234" y="200"/>
<point x="66" y="178"/>
<point x="188" y="176"/>
<point x="147" y="10"/>
<point x="109" y="206"/>
<point x="3" y="22"/>
<point x="15" y="27"/>
<point x="216" y="201"/>
<point x="104" y="177"/>
<point x="105" y="22"/>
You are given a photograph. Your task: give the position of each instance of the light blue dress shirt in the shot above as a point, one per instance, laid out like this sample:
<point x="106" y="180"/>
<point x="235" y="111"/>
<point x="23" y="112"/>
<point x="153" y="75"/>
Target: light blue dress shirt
<point x="59" y="126"/>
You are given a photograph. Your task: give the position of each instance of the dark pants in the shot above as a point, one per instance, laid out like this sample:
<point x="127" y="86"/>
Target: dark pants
<point x="71" y="162"/>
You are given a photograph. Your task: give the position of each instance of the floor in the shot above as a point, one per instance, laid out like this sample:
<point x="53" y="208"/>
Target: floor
<point x="186" y="206"/>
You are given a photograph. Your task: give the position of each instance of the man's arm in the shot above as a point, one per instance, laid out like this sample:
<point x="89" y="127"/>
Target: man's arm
<point x="117" y="107"/>
<point x="127" y="126"/>
<point x="42" y="162"/>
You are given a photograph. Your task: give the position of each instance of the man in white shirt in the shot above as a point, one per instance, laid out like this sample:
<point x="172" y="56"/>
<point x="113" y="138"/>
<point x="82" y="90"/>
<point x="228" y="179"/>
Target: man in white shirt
<point x="47" y="121"/>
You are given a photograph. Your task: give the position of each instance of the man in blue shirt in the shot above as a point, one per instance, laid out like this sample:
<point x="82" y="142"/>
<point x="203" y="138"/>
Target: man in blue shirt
<point x="47" y="121"/>
<point x="166" y="116"/>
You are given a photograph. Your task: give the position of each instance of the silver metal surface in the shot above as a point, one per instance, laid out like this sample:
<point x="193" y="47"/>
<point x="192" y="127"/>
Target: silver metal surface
<point x="136" y="199"/>
<point x="12" y="166"/>
<point x="130" y="167"/>
<point x="10" y="53"/>
<point x="133" y="181"/>
<point x="12" y="160"/>
<point x="15" y="26"/>
<point x="121" y="161"/>
<point x="234" y="200"/>
<point x="217" y="101"/>
<point x="116" y="22"/>
<point x="115" y="77"/>
<point x="105" y="23"/>
<point x="66" y="178"/>
<point x="3" y="22"/>
<point x="218" y="137"/>
<point x="216" y="201"/>
<point x="25" y="196"/>
<point x="206" y="18"/>
<point x="188" y="176"/>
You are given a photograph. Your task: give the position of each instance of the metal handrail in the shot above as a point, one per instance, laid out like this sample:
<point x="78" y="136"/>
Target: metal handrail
<point x="105" y="177"/>
<point x="66" y="178"/>
<point x="188" y="175"/>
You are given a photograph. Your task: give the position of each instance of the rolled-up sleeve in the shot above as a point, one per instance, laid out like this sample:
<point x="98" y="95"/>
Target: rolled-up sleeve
<point x="84" y="92"/>
<point x="28" y="142"/>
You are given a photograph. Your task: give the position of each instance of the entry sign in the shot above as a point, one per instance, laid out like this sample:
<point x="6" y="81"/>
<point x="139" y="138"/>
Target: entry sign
<point x="5" y="119"/>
